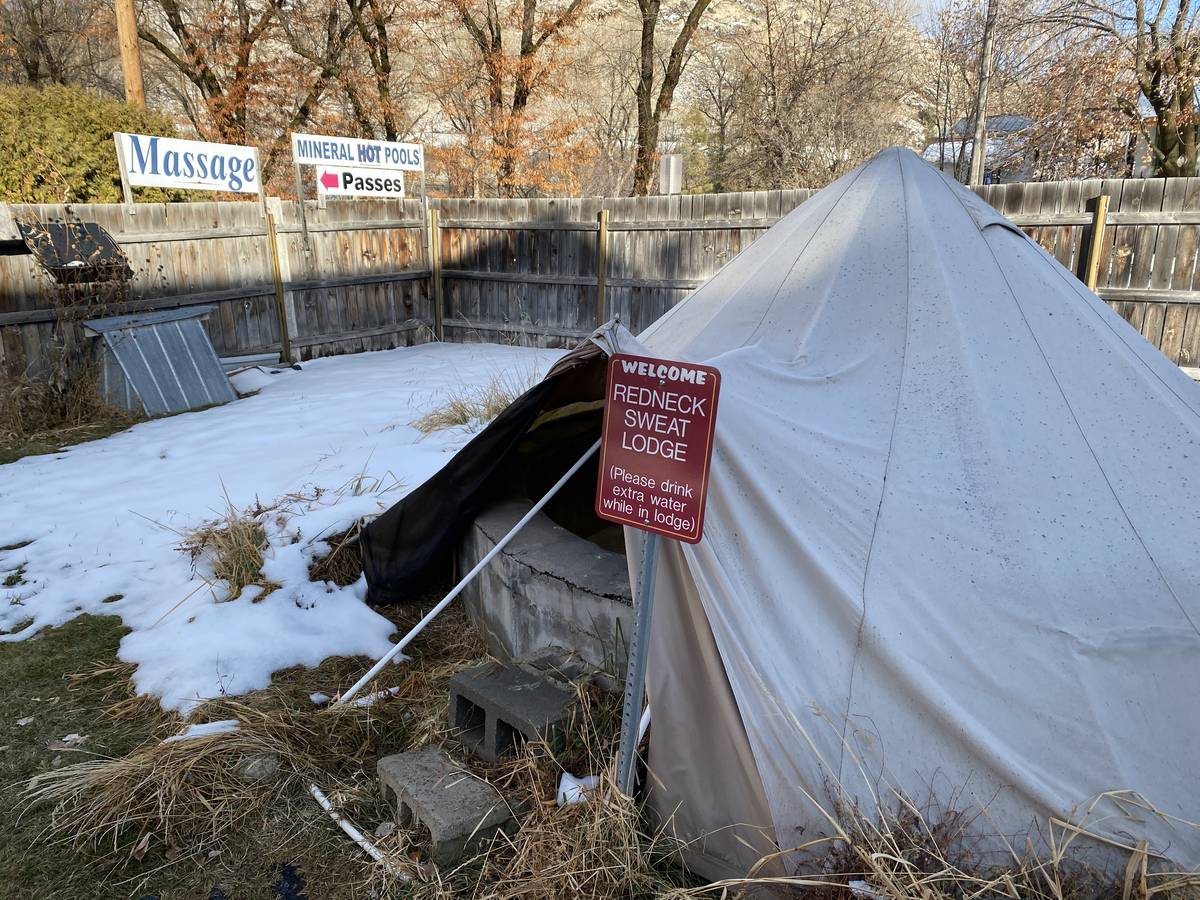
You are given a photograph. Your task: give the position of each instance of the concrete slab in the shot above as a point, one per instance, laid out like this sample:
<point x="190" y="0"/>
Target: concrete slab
<point x="547" y="588"/>
<point x="495" y="708"/>
<point x="429" y="789"/>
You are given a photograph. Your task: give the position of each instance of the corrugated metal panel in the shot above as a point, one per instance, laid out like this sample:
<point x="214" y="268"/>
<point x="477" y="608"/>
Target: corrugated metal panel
<point x="114" y="386"/>
<point x="167" y="361"/>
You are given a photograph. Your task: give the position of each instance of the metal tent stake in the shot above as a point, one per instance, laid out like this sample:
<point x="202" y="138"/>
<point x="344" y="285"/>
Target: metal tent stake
<point x="635" y="675"/>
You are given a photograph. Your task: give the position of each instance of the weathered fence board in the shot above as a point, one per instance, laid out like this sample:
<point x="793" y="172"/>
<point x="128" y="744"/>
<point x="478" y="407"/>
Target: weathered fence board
<point x="357" y="274"/>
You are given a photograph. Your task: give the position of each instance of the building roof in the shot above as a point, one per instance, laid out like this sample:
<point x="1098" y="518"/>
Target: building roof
<point x="1006" y="124"/>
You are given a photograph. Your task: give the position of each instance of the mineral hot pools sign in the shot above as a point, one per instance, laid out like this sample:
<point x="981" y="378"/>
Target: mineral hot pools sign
<point x="659" y="418"/>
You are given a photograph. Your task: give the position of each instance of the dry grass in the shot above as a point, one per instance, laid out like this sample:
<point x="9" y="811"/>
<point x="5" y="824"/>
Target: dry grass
<point x="906" y="851"/>
<point x="342" y="564"/>
<point x="29" y="408"/>
<point x="42" y="416"/>
<point x="602" y="848"/>
<point x="183" y="798"/>
<point x="233" y="546"/>
<point x="476" y="405"/>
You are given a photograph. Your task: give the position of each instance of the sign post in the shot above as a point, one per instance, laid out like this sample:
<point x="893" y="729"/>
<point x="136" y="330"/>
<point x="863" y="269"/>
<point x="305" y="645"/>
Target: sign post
<point x="655" y="454"/>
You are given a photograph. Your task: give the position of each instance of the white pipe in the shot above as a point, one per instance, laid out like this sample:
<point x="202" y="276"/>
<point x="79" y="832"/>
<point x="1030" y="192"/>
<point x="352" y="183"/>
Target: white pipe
<point x="354" y="834"/>
<point x="458" y="588"/>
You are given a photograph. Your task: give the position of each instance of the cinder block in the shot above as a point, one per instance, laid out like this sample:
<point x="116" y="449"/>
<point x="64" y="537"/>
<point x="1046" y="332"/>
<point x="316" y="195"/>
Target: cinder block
<point x="566" y="669"/>
<point x="429" y="789"/>
<point x="496" y="707"/>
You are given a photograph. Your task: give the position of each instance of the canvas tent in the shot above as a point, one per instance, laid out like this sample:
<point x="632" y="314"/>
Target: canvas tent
<point x="951" y="542"/>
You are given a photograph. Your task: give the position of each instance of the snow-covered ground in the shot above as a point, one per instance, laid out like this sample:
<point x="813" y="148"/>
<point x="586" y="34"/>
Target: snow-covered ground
<point x="104" y="518"/>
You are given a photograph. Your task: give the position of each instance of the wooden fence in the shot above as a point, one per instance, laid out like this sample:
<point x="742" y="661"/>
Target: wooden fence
<point x="358" y="275"/>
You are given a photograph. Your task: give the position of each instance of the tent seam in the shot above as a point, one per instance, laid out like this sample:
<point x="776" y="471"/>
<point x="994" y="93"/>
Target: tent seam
<point x="862" y="621"/>
<point x="799" y="255"/>
<point x="1081" y="291"/>
<point x="1082" y="433"/>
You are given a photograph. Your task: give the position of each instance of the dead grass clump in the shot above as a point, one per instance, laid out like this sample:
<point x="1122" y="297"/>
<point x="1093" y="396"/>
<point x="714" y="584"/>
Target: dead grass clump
<point x="31" y="408"/>
<point x="905" y="851"/>
<point x="475" y="406"/>
<point x="184" y="794"/>
<point x="120" y="699"/>
<point x="233" y="546"/>
<point x="192" y="792"/>
<point x="342" y="564"/>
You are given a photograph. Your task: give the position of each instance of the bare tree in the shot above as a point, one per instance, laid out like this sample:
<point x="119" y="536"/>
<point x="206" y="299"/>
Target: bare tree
<point x="829" y="83"/>
<point x="720" y="88"/>
<point x="58" y="42"/>
<point x="1162" y="44"/>
<point x="512" y="79"/>
<point x="214" y="45"/>
<point x="606" y="97"/>
<point x="654" y="106"/>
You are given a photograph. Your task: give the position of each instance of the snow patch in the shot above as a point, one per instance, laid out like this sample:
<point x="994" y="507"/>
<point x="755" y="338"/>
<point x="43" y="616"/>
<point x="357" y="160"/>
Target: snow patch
<point x="334" y="441"/>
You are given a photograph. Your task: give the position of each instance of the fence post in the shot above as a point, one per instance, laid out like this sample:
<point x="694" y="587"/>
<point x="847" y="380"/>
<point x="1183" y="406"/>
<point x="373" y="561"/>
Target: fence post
<point x="285" y="342"/>
<point x="601" y="267"/>
<point x="1096" y="241"/>
<point x="435" y="271"/>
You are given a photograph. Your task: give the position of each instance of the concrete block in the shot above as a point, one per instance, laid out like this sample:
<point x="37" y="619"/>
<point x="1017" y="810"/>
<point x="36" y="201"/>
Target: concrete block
<point x="566" y="669"/>
<point x="548" y="587"/>
<point x="496" y="707"/>
<point x="429" y="789"/>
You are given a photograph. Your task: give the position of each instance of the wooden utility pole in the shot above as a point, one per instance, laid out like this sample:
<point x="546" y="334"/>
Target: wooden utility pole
<point x="979" y="143"/>
<point x="285" y="338"/>
<point x="131" y="53"/>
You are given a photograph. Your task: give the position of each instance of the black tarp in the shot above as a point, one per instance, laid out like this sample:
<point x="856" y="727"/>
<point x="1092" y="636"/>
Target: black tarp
<point x="412" y="543"/>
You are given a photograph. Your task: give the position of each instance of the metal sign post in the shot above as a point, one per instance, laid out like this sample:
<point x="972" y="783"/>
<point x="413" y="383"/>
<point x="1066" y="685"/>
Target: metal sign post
<point x="655" y="452"/>
<point x="635" y="672"/>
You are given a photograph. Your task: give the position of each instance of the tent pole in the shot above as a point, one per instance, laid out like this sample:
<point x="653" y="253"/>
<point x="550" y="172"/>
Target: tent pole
<point x="635" y="675"/>
<point x="458" y="588"/>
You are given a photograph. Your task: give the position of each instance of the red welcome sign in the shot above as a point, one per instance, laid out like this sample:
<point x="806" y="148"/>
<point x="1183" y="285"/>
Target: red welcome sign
<point x="659" y="419"/>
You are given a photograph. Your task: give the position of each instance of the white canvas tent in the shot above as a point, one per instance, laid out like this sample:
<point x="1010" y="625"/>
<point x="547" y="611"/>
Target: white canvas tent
<point x="951" y="546"/>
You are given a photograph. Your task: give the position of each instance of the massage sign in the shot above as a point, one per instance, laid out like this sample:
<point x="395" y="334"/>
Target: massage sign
<point x="659" y="418"/>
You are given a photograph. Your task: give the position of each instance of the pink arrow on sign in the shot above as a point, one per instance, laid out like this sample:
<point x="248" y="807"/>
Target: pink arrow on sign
<point x="329" y="179"/>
